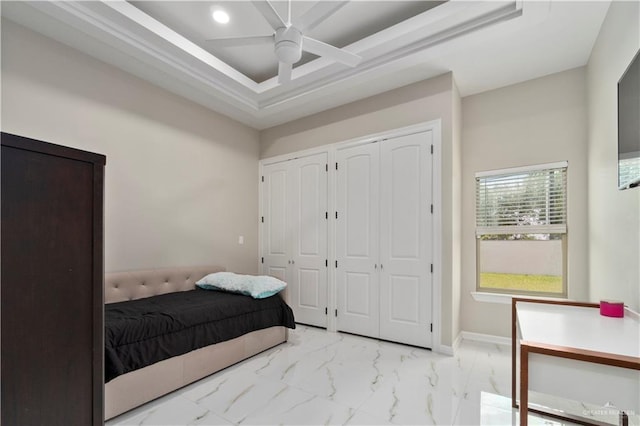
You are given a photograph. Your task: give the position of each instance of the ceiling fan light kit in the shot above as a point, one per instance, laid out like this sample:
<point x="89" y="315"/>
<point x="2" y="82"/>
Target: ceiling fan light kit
<point x="288" y="45"/>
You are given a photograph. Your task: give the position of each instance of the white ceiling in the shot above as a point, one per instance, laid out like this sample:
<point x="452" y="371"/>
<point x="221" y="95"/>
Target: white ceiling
<point x="486" y="44"/>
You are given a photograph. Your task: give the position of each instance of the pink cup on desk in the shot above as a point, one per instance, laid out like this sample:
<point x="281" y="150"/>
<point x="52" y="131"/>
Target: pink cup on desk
<point x="612" y="308"/>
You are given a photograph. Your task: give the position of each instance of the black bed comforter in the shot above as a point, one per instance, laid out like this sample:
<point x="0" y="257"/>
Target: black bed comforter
<point x="141" y="332"/>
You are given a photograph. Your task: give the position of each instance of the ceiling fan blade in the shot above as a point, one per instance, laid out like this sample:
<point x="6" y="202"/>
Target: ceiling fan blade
<point x="318" y="13"/>
<point x="270" y="14"/>
<point x="284" y="72"/>
<point x="241" y="41"/>
<point x="331" y="52"/>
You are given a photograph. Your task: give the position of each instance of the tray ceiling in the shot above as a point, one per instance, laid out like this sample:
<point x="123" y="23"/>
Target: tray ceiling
<point x="354" y="21"/>
<point x="486" y="44"/>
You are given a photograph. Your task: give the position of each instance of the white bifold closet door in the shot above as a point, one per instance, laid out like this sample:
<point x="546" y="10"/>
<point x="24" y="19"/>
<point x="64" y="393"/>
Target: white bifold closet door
<point x="384" y="239"/>
<point x="276" y="256"/>
<point x="295" y="233"/>
<point x="357" y="200"/>
<point x="406" y="239"/>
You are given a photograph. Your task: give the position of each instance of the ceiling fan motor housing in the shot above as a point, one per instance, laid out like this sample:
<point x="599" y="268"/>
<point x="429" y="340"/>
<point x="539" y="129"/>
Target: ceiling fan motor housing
<point x="288" y="44"/>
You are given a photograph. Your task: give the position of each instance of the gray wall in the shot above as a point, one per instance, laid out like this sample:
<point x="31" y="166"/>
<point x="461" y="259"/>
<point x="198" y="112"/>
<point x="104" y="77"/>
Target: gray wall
<point x="538" y="121"/>
<point x="614" y="216"/>
<point x="181" y="181"/>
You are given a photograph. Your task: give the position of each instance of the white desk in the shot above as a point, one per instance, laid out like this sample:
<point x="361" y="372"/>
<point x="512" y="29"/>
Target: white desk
<point x="572" y="351"/>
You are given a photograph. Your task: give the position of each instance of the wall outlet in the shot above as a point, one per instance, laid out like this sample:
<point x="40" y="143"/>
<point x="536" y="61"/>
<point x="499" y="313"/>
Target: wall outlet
<point x="240" y="239"/>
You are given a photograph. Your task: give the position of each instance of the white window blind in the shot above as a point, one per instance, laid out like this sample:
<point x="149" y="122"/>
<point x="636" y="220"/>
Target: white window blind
<point x="629" y="172"/>
<point x="522" y="201"/>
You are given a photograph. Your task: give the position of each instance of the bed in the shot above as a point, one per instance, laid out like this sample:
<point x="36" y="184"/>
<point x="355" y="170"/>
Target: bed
<point x="163" y="309"/>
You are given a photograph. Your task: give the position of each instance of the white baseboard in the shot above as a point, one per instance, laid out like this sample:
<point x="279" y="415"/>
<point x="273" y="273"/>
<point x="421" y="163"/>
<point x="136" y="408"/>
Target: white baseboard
<point x="450" y="350"/>
<point x="445" y="350"/>
<point x="456" y="343"/>
<point x="485" y="338"/>
<point x="474" y="337"/>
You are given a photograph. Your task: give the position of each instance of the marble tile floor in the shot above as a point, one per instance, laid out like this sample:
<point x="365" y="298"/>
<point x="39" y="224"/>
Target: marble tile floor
<point x="319" y="377"/>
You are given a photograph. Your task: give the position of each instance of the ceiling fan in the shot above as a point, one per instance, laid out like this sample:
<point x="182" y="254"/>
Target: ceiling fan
<point x="289" y="40"/>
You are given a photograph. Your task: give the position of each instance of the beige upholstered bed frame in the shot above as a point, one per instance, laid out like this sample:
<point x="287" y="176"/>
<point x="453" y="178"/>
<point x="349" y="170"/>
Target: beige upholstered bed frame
<point x="138" y="387"/>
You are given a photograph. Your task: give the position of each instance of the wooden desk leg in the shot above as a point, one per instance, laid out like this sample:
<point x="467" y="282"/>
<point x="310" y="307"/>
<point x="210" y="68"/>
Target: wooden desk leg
<point x="524" y="384"/>
<point x="514" y="342"/>
<point x="624" y="419"/>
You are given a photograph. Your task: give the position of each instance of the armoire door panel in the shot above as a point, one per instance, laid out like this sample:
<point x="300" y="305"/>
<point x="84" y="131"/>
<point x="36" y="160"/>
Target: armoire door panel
<point x="46" y="226"/>
<point x="51" y="353"/>
<point x="406" y="239"/>
<point x="357" y="204"/>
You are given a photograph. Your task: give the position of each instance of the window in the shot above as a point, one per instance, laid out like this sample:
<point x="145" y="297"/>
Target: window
<point x="521" y="230"/>
<point x="629" y="171"/>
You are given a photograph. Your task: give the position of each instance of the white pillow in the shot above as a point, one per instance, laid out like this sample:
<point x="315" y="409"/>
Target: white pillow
<point x="256" y="286"/>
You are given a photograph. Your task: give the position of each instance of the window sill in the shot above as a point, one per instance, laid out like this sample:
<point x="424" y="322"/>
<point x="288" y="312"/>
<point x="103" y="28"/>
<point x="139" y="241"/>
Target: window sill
<point x="505" y="299"/>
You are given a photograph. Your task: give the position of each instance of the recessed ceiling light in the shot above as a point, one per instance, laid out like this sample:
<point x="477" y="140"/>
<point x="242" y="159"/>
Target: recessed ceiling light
<point x="220" y="16"/>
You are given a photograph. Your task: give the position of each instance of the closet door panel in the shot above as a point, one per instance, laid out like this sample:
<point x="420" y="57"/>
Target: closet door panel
<point x="405" y="239"/>
<point x="275" y="205"/>
<point x="309" y="239"/>
<point x="357" y="198"/>
<point x="276" y="271"/>
<point x="404" y="299"/>
<point x="357" y="287"/>
<point x="309" y="294"/>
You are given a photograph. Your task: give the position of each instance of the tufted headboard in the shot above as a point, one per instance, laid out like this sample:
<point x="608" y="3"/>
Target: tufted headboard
<point x="123" y="286"/>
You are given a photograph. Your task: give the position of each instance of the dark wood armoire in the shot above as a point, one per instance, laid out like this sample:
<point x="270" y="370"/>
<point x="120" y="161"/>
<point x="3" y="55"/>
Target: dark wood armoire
<point x="51" y="284"/>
